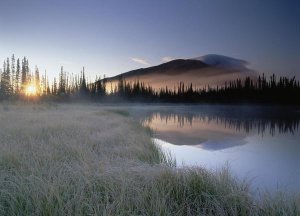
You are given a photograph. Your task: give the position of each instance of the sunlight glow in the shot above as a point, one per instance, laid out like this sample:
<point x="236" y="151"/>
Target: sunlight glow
<point x="31" y="90"/>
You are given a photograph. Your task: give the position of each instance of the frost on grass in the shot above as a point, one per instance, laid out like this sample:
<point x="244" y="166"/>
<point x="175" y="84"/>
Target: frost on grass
<point x="85" y="160"/>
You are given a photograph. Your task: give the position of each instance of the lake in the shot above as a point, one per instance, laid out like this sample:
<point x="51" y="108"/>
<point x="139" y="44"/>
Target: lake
<point x="259" y="144"/>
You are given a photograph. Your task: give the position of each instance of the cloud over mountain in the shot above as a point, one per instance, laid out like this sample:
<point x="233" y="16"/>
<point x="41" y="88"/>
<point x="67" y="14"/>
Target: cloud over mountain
<point x="167" y="59"/>
<point x="224" y="61"/>
<point x="140" y="61"/>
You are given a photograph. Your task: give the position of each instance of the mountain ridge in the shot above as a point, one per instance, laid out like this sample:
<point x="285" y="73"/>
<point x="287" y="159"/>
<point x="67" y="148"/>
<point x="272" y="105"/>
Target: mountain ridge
<point x="210" y="70"/>
<point x="177" y="64"/>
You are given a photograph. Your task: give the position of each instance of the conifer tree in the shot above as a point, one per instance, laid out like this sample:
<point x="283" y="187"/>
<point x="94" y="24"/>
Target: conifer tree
<point x="54" y="87"/>
<point x="13" y="74"/>
<point x="48" y="86"/>
<point x="83" y="88"/>
<point x="24" y="74"/>
<point x="37" y="80"/>
<point x="7" y="78"/>
<point x="62" y="82"/>
<point x="17" y="79"/>
<point x="2" y="84"/>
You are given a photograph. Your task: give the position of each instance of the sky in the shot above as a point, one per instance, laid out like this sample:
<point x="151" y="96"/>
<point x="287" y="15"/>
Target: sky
<point x="109" y="36"/>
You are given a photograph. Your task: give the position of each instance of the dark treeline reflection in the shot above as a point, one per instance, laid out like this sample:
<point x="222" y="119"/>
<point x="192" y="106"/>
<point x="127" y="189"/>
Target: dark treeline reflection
<point x="258" y="120"/>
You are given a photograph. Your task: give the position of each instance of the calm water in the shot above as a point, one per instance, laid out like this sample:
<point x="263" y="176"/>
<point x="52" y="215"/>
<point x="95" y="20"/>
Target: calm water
<point x="259" y="144"/>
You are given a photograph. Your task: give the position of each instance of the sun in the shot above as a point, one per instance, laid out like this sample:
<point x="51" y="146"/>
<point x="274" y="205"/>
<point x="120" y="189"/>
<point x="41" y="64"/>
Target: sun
<point x="31" y="90"/>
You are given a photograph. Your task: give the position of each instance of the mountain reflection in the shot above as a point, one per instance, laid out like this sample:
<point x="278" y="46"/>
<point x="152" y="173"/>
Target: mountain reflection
<point x="261" y="121"/>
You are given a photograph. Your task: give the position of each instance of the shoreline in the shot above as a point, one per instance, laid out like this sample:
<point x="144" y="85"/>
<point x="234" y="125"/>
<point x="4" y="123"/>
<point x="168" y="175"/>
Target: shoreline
<point x="82" y="160"/>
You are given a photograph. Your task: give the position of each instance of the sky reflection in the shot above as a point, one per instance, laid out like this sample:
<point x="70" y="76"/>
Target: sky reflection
<point x="258" y="144"/>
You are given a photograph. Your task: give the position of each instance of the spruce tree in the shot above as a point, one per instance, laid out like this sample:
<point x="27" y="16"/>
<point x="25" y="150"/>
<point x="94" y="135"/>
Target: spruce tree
<point x="54" y="87"/>
<point x="37" y="80"/>
<point x="83" y="88"/>
<point x="62" y="82"/>
<point x="17" y="79"/>
<point x="13" y="74"/>
<point x="2" y="84"/>
<point x="7" y="78"/>
<point x="48" y="86"/>
<point x="24" y="75"/>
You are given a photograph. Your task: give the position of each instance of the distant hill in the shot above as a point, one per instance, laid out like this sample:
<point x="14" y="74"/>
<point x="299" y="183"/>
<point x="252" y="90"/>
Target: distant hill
<point x="202" y="71"/>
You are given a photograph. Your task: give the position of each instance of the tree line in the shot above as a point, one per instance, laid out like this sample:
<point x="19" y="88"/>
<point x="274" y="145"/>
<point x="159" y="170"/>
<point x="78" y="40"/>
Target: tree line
<point x="17" y="78"/>
<point x="282" y="90"/>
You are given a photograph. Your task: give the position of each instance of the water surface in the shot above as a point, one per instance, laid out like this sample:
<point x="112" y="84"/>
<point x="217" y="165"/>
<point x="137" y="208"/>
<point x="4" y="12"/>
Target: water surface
<point x="261" y="144"/>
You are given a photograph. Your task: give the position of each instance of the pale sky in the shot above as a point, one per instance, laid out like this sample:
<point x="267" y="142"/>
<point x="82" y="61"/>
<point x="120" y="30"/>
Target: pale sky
<point x="109" y="36"/>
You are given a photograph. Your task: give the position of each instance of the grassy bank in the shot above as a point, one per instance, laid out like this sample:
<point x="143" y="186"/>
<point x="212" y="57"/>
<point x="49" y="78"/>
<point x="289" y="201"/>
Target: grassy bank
<point x="85" y="160"/>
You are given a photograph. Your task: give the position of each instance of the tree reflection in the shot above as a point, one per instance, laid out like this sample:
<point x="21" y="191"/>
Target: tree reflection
<point x="258" y="120"/>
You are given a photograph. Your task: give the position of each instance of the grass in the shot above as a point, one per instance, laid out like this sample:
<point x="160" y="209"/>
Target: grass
<point x="85" y="160"/>
<point x="120" y="112"/>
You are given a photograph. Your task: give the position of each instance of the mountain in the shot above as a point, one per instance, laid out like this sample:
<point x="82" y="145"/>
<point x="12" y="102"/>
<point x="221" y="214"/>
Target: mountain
<point x="202" y="71"/>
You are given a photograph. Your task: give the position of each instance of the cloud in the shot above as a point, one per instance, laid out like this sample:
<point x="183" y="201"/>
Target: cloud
<point x="140" y="61"/>
<point x="224" y="61"/>
<point x="167" y="59"/>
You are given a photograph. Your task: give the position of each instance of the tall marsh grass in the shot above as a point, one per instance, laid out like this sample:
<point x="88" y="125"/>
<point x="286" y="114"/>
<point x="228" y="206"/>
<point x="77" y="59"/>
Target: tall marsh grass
<point x="85" y="160"/>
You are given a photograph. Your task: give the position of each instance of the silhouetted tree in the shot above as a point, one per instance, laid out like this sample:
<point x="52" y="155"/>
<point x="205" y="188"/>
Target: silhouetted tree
<point x="17" y="80"/>
<point x="62" y="82"/>
<point x="83" y="87"/>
